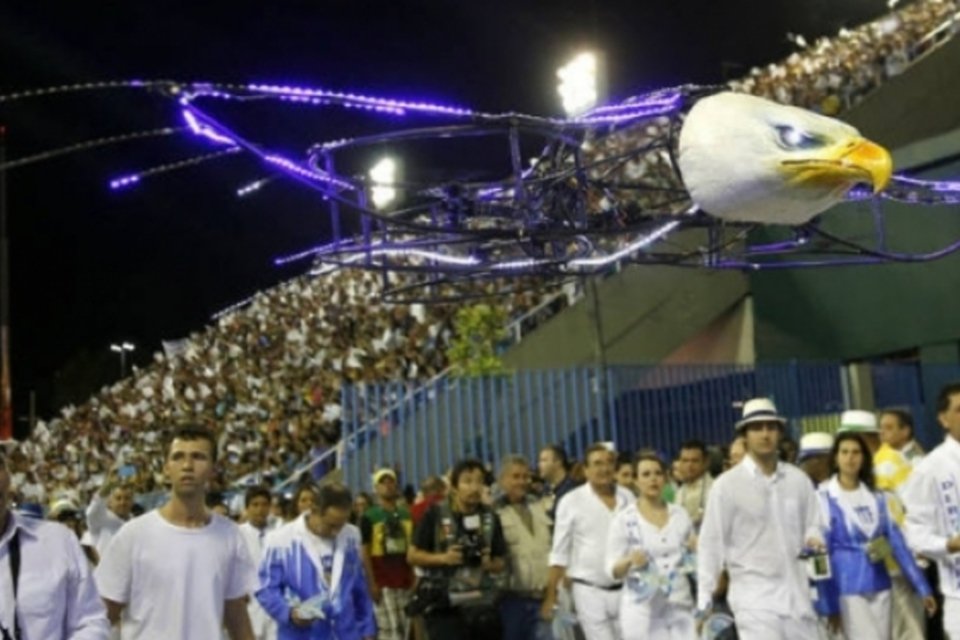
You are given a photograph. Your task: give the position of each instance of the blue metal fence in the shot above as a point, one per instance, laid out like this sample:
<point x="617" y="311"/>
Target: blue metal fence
<point x="424" y="430"/>
<point x="914" y="387"/>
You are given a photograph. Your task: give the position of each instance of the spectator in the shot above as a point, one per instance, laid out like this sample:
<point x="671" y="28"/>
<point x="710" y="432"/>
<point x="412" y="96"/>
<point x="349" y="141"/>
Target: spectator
<point x="892" y="465"/>
<point x="863" y="423"/>
<point x="814" y="456"/>
<point x="554" y="469"/>
<point x="361" y="503"/>
<point x="155" y="577"/>
<point x="329" y="600"/>
<point x="254" y="530"/>
<point x="304" y="499"/>
<point x="759" y="517"/>
<point x="899" y="452"/>
<point x="579" y="547"/>
<point x="862" y="538"/>
<point x="386" y="531"/>
<point x="738" y="449"/>
<point x="647" y="547"/>
<point x="48" y="582"/>
<point x="932" y="494"/>
<point x="432" y="491"/>
<point x="459" y="543"/>
<point x="108" y="511"/>
<point x="626" y="473"/>
<point x="526" y="529"/>
<point x="692" y="495"/>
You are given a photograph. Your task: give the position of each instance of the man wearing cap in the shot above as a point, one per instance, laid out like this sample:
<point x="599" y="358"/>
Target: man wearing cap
<point x="760" y="516"/>
<point x="933" y="518"/>
<point x="814" y="456"/>
<point x="386" y="531"/>
<point x="46" y="588"/>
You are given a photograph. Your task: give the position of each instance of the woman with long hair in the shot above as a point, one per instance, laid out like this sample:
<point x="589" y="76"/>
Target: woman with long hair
<point x="862" y="541"/>
<point x="303" y="500"/>
<point x="648" y="547"/>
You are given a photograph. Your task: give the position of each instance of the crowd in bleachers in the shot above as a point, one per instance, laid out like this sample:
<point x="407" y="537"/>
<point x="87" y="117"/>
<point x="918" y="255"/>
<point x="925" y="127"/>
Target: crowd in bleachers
<point x="266" y="378"/>
<point x="829" y="76"/>
<point x="832" y="75"/>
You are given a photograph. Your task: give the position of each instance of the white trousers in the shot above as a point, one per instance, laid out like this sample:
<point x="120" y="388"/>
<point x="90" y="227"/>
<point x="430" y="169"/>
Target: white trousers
<point x="565" y="605"/>
<point x="909" y="618"/>
<point x="598" y="612"/>
<point x="656" y="619"/>
<point x="866" y="616"/>
<point x="765" y="625"/>
<point x="951" y="617"/>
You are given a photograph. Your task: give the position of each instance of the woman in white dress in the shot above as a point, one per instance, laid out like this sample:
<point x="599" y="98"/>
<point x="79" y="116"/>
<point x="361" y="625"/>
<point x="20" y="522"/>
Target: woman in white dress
<point x="649" y="548"/>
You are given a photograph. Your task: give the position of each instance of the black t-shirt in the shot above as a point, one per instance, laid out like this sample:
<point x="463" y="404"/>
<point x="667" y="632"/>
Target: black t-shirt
<point x="425" y="536"/>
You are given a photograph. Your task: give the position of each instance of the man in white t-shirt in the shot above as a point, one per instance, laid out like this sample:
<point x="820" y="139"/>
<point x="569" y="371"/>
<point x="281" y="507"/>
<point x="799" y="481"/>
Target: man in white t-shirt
<point x="180" y="571"/>
<point x="108" y="511"/>
<point x="257" y="504"/>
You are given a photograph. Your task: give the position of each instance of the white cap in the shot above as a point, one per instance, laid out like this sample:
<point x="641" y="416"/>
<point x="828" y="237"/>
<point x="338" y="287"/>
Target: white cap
<point x="815" y="443"/>
<point x="858" y="421"/>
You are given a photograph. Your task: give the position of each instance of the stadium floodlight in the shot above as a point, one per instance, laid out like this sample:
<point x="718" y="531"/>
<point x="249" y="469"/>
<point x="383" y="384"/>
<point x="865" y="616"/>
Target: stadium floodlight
<point x="579" y="80"/>
<point x="384" y="178"/>
<point x="123" y="349"/>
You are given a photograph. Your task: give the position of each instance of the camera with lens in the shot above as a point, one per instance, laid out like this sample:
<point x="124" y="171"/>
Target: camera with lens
<point x="471" y="547"/>
<point x="431" y="594"/>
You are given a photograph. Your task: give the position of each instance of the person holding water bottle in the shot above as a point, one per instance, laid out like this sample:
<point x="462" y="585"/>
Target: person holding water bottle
<point x="649" y="548"/>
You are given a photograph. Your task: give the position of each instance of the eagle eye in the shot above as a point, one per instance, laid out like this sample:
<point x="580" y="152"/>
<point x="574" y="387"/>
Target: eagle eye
<point x="790" y="137"/>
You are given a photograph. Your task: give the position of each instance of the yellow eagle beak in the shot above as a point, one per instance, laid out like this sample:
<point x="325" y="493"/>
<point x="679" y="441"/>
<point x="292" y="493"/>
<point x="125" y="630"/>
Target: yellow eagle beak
<point x="843" y="165"/>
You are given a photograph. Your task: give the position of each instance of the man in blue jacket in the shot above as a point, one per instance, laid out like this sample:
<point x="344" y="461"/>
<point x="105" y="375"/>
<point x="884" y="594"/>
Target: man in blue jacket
<point x="311" y="576"/>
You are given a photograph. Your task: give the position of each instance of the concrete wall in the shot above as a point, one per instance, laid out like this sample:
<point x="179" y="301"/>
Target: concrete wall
<point x="640" y="315"/>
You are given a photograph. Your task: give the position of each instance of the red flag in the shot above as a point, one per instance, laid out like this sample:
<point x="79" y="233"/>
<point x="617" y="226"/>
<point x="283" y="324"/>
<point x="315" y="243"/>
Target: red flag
<point x="6" y="402"/>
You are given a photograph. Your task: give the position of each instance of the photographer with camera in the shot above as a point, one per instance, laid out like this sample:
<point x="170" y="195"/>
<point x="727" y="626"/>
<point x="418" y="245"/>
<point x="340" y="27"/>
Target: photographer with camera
<point x="460" y="545"/>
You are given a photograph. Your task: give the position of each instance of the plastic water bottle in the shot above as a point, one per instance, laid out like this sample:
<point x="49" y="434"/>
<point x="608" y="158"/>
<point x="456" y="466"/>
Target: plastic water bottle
<point x="563" y="623"/>
<point x="715" y="625"/>
<point x="642" y="583"/>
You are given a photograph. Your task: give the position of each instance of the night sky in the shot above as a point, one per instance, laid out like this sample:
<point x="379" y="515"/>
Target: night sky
<point x="90" y="267"/>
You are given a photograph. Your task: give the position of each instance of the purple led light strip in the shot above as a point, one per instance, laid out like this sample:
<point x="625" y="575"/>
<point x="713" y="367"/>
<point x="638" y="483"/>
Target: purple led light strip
<point x="134" y="178"/>
<point x="939" y="186"/>
<point x="207" y="126"/>
<point x="391" y="105"/>
<point x="659" y="103"/>
<point x="513" y="265"/>
<point x="205" y="131"/>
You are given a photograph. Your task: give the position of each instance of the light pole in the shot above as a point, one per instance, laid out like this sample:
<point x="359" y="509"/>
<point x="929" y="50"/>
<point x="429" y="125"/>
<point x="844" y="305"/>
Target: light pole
<point x="123" y="349"/>
<point x="579" y="86"/>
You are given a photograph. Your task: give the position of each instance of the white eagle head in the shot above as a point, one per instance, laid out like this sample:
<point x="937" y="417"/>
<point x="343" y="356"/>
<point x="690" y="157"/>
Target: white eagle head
<point x="747" y="159"/>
